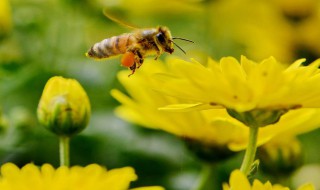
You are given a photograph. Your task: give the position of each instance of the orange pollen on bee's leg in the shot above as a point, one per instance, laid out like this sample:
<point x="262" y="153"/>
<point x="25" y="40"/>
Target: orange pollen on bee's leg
<point x="127" y="59"/>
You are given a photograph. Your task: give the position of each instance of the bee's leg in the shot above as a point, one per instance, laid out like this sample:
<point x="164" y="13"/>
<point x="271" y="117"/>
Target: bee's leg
<point x="133" y="69"/>
<point x="140" y="59"/>
<point x="158" y="54"/>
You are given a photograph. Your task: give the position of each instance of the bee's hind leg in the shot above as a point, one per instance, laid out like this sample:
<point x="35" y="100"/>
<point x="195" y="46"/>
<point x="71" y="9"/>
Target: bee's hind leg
<point x="133" y="69"/>
<point x="139" y="59"/>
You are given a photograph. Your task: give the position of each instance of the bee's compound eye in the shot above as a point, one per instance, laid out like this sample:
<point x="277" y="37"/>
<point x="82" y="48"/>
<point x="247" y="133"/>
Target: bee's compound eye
<point x="127" y="59"/>
<point x="160" y="37"/>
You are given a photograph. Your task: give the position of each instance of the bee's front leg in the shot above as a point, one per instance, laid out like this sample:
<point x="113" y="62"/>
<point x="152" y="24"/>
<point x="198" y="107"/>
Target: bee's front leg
<point x="159" y="52"/>
<point x="157" y="56"/>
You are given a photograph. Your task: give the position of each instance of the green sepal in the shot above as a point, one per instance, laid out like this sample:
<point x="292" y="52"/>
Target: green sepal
<point x="258" y="117"/>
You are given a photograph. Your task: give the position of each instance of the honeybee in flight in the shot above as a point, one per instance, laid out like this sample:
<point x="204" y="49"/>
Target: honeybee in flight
<point x="136" y="45"/>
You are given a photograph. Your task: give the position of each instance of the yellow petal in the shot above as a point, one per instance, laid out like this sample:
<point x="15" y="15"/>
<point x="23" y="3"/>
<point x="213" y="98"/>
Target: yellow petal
<point x="306" y="187"/>
<point x="187" y="107"/>
<point x="149" y="188"/>
<point x="295" y="65"/>
<point x="238" y="181"/>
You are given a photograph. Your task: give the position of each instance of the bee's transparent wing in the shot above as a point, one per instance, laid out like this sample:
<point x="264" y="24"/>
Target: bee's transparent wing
<point x="112" y="17"/>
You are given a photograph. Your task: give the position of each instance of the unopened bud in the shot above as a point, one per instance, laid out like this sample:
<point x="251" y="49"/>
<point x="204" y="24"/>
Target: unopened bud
<point x="64" y="107"/>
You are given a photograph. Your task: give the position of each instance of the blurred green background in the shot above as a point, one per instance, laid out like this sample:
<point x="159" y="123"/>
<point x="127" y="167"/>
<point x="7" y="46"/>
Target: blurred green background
<point x="44" y="38"/>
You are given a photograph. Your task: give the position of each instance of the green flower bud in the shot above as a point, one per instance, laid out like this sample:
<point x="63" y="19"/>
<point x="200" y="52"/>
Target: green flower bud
<point x="64" y="107"/>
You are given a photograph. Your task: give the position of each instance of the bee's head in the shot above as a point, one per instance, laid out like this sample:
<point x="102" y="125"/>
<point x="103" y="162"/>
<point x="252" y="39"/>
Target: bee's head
<point x="164" y="39"/>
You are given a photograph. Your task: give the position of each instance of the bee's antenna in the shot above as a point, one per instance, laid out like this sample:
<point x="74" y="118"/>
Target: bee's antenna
<point x="178" y="47"/>
<point x="178" y="38"/>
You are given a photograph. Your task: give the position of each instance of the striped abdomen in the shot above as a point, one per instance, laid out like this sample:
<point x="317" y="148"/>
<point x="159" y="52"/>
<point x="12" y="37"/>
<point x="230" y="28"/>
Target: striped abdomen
<point x="111" y="46"/>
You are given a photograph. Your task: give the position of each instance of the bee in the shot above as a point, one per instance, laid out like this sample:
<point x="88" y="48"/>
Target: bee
<point x="135" y="46"/>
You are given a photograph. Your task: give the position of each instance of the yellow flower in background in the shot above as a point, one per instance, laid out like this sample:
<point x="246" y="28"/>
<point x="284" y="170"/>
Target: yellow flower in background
<point x="64" y="107"/>
<point x="212" y="127"/>
<point x="308" y="34"/>
<point x="297" y="8"/>
<point x="258" y="26"/>
<point x="280" y="156"/>
<point x="91" y="177"/>
<point x="5" y="17"/>
<point x="238" y="181"/>
<point x="285" y="29"/>
<point x="242" y="86"/>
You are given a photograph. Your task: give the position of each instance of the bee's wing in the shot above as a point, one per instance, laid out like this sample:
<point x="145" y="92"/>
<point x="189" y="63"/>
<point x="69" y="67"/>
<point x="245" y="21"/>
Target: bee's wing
<point x="108" y="14"/>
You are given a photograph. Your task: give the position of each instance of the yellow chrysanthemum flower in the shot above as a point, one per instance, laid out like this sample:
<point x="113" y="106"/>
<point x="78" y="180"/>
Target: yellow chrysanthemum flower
<point x="256" y="94"/>
<point x="238" y="181"/>
<point x="64" y="107"/>
<point x="142" y="108"/>
<point x="212" y="127"/>
<point x="245" y="85"/>
<point x="91" y="177"/>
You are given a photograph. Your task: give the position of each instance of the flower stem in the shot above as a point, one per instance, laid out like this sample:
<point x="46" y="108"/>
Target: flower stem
<point x="206" y="177"/>
<point x="250" y="151"/>
<point x="64" y="151"/>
